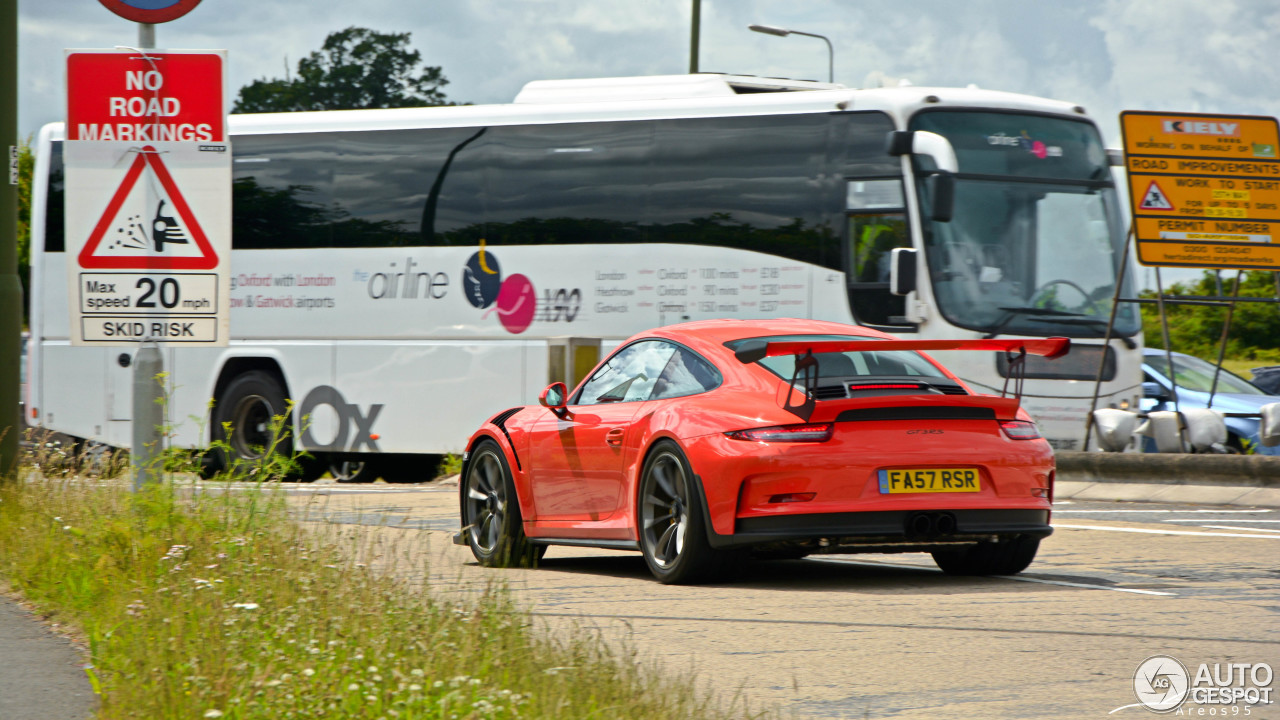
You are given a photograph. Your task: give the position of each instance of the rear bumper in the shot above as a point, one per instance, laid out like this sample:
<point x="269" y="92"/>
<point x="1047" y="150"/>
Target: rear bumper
<point x="889" y="529"/>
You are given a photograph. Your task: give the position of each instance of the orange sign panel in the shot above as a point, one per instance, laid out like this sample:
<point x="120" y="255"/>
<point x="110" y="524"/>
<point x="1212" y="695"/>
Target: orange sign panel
<point x="1204" y="189"/>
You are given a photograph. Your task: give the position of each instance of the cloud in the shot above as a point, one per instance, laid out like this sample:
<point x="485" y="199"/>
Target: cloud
<point x="1108" y="55"/>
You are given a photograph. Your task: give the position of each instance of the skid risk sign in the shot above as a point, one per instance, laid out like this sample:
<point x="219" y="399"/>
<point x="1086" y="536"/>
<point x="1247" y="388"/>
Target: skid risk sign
<point x="148" y="198"/>
<point x="1204" y="189"/>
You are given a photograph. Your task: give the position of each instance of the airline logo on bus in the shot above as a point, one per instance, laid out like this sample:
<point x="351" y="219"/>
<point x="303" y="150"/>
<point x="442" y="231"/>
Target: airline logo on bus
<point x="1024" y="141"/>
<point x="513" y="298"/>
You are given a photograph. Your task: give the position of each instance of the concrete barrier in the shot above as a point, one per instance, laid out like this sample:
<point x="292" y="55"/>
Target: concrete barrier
<point x="1170" y="469"/>
<point x="1240" y="480"/>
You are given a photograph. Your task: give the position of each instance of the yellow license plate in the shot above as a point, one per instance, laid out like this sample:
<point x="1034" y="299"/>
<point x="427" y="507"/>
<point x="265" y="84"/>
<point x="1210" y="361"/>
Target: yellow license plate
<point x="924" y="480"/>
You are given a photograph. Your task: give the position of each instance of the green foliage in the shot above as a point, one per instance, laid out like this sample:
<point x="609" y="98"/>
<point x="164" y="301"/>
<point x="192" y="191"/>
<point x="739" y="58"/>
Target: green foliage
<point x="450" y="465"/>
<point x="1197" y="330"/>
<point x="213" y="603"/>
<point x="355" y="68"/>
<point x="26" y="165"/>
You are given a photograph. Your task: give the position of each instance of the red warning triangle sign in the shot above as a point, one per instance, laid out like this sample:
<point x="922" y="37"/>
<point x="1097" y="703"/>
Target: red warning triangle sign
<point x="1155" y="199"/>
<point x="94" y="256"/>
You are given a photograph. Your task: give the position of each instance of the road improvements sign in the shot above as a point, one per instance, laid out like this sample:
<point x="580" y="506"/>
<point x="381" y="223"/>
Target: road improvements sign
<point x="148" y="197"/>
<point x="1204" y="189"/>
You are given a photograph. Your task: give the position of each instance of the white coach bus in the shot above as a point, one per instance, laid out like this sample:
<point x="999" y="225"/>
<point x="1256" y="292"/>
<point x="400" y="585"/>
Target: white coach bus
<point x="402" y="274"/>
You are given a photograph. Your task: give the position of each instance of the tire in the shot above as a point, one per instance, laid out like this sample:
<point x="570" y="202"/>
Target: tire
<point x="673" y="533"/>
<point x="491" y="512"/>
<point x="1006" y="557"/>
<point x="249" y="403"/>
<point x="348" y="470"/>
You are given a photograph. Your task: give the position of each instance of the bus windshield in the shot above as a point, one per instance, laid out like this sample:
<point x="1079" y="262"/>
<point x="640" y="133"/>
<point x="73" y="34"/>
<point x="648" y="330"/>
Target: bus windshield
<point x="1035" y="239"/>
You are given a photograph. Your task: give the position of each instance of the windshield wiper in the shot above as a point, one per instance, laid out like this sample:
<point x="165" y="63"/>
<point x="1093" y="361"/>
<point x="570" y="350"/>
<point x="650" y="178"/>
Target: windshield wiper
<point x="1013" y="312"/>
<point x="1061" y="317"/>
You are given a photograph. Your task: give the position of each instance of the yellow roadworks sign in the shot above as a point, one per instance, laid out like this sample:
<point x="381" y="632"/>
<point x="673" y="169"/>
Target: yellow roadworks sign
<point x="1204" y="189"/>
<point x="1207" y="197"/>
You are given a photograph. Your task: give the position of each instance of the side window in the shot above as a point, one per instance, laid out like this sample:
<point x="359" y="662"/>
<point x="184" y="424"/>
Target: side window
<point x="877" y="225"/>
<point x="628" y="376"/>
<point x="685" y="374"/>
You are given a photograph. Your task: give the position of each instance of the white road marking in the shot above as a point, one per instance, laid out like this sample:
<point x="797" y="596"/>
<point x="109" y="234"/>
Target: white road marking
<point x="1179" y="512"/>
<point x="1019" y="578"/>
<point x="1162" y="532"/>
<point x="1235" y="520"/>
<point x="1232" y="527"/>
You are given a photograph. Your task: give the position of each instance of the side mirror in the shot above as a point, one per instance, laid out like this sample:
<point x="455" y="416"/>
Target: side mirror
<point x="902" y="271"/>
<point x="942" y="188"/>
<point x="554" y="398"/>
<point x="1155" y="391"/>
<point x="942" y="183"/>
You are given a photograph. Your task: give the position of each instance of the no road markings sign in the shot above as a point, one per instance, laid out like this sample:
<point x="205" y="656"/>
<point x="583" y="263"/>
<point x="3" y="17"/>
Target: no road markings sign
<point x="148" y="198"/>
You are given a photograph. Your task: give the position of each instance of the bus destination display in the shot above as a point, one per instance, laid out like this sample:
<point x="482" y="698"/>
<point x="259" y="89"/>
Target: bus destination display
<point x="1204" y="189"/>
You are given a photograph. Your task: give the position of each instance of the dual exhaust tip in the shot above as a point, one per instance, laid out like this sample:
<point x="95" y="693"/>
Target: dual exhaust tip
<point x="929" y="525"/>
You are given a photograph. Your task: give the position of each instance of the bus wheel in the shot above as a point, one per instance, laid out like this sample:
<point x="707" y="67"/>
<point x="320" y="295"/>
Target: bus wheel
<point x="347" y="470"/>
<point x="243" y="420"/>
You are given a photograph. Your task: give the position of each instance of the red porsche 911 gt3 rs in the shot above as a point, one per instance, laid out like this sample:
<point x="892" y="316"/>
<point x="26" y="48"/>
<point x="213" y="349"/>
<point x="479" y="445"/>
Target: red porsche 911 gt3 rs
<point x="704" y="442"/>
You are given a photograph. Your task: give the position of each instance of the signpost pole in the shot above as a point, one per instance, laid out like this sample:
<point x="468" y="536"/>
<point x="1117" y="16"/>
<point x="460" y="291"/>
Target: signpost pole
<point x="148" y="389"/>
<point x="148" y="414"/>
<point x="10" y="285"/>
<point x="1106" y="342"/>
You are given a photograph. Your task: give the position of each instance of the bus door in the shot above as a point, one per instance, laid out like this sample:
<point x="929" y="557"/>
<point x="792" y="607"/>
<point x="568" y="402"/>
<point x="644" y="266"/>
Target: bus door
<point x="877" y="223"/>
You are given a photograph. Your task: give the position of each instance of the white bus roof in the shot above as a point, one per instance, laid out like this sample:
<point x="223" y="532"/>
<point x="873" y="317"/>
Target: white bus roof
<point x="645" y="98"/>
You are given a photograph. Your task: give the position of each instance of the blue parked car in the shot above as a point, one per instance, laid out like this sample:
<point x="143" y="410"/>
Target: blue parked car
<point x="1195" y="377"/>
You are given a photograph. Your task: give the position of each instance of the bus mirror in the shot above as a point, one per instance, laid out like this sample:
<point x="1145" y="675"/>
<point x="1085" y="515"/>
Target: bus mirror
<point x="923" y="142"/>
<point x="902" y="271"/>
<point x="942" y="181"/>
<point x="942" y="189"/>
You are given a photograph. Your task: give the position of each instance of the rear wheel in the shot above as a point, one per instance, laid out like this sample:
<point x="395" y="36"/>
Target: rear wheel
<point x="491" y="512"/>
<point x="673" y="534"/>
<point x="1006" y="557"/>
<point x="244" y="419"/>
<point x="353" y="471"/>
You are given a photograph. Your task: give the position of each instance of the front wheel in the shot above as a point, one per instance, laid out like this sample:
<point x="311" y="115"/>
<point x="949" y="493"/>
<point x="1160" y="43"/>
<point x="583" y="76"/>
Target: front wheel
<point x="1006" y="557"/>
<point x="673" y="534"/>
<point x="491" y="512"/>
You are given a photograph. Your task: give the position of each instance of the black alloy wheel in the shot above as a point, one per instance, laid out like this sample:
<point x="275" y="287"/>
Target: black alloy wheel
<point x="491" y="512"/>
<point x="673" y="534"/>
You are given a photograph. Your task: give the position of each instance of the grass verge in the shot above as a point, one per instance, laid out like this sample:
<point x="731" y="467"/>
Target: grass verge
<point x="217" y="604"/>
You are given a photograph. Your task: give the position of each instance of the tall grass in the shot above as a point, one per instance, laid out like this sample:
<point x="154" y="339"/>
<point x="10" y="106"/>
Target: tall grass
<point x="217" y="604"/>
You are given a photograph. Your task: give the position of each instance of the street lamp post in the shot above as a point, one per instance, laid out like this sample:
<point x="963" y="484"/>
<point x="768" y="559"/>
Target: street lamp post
<point x="783" y="32"/>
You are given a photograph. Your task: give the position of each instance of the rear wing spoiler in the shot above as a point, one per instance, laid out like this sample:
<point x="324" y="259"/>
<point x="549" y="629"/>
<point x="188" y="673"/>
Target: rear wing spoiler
<point x="1015" y="350"/>
<point x="756" y="350"/>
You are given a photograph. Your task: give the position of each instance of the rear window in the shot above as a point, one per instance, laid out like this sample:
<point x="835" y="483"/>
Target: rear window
<point x="868" y="363"/>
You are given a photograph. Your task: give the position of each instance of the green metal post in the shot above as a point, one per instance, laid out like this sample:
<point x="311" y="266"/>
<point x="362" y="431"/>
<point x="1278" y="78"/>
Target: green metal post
<point x="10" y="285"/>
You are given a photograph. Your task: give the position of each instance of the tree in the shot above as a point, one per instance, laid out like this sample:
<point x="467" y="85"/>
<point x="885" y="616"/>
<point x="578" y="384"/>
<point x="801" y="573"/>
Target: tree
<point x="355" y="68"/>
<point x="1197" y="329"/>
<point x="26" y="164"/>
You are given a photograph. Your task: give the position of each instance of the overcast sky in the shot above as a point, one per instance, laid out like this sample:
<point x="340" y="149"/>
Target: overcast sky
<point x="1108" y="55"/>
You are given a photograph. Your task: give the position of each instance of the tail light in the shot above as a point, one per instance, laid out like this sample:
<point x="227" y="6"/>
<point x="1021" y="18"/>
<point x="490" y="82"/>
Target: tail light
<point x="808" y="432"/>
<point x="1020" y="429"/>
